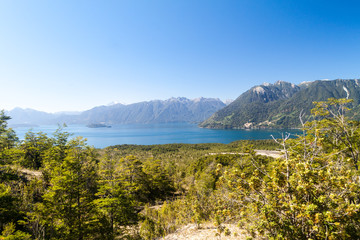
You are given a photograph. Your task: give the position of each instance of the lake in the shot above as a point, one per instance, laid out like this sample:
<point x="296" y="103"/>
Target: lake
<point x="148" y="134"/>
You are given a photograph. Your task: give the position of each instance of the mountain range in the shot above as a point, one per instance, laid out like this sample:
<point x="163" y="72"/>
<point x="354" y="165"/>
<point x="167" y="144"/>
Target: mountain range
<point x="157" y="111"/>
<point x="268" y="105"/>
<point x="279" y="105"/>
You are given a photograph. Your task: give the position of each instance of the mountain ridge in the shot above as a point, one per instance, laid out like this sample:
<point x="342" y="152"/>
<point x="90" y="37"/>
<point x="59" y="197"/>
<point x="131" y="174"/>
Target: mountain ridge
<point x="178" y="109"/>
<point x="279" y="105"/>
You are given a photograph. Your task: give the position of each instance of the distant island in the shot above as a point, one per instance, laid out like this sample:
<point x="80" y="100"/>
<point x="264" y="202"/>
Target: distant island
<point x="98" y="125"/>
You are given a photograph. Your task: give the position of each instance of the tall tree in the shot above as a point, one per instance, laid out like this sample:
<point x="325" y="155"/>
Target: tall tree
<point x="116" y="206"/>
<point x="160" y="184"/>
<point x="8" y="139"/>
<point x="34" y="147"/>
<point x="133" y="179"/>
<point x="68" y="204"/>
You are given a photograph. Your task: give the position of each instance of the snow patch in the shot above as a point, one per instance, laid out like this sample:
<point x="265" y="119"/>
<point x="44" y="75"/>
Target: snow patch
<point x="347" y="92"/>
<point x="259" y="90"/>
<point x="196" y="100"/>
<point x="305" y="83"/>
<point x="112" y="103"/>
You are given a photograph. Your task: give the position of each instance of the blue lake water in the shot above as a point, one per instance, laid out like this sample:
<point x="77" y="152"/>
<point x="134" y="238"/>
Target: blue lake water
<point x="148" y="134"/>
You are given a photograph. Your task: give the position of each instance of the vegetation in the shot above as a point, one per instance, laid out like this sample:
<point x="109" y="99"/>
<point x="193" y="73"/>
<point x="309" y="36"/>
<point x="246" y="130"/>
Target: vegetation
<point x="61" y="188"/>
<point x="279" y="105"/>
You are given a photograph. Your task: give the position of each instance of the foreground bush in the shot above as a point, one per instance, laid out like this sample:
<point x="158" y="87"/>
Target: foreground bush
<point x="313" y="193"/>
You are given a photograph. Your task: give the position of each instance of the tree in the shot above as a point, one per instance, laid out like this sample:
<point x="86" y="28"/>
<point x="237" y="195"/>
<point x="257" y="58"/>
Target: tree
<point x="34" y="147"/>
<point x="8" y="206"/>
<point x="115" y="206"/>
<point x="133" y="179"/>
<point x="8" y="139"/>
<point x="55" y="155"/>
<point x="9" y="233"/>
<point x="68" y="205"/>
<point x="312" y="193"/>
<point x="160" y="184"/>
<point x="333" y="130"/>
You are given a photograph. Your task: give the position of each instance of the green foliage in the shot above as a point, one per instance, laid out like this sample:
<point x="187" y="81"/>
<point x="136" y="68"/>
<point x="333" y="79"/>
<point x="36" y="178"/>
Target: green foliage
<point x="8" y="138"/>
<point x="8" y="174"/>
<point x="158" y="221"/>
<point x="312" y="193"/>
<point x="279" y="105"/>
<point x="116" y="207"/>
<point x="8" y="206"/>
<point x="134" y="179"/>
<point x="9" y="233"/>
<point x="34" y="147"/>
<point x="38" y="147"/>
<point x="130" y="191"/>
<point x="11" y="182"/>
<point x="159" y="182"/>
<point x="68" y="204"/>
<point x="266" y="144"/>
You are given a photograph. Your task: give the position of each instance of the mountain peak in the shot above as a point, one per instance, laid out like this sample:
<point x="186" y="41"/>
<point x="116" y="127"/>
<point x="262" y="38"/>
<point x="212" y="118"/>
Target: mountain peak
<point x="284" y="83"/>
<point x="259" y="90"/>
<point x="279" y="105"/>
<point x="179" y="109"/>
<point x="268" y="92"/>
<point x="114" y="103"/>
<point x="199" y="99"/>
<point x="178" y="99"/>
<point x="279" y="82"/>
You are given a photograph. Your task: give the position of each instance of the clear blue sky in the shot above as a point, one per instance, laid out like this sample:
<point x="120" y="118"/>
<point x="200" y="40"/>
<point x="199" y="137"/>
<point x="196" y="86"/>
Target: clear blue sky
<point x="60" y="55"/>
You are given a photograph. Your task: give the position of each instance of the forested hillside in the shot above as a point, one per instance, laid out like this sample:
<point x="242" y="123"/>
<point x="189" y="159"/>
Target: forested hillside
<point x="279" y="105"/>
<point x="56" y="187"/>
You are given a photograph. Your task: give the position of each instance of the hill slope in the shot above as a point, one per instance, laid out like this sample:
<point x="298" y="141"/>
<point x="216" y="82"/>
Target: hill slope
<point x="156" y="111"/>
<point x="279" y="105"/>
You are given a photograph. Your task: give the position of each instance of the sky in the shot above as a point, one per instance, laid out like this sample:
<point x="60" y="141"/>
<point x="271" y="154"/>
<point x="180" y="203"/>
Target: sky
<point x="72" y="55"/>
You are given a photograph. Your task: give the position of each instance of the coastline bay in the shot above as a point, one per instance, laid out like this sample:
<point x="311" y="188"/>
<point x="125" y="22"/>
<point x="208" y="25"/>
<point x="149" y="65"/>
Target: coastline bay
<point x="149" y="134"/>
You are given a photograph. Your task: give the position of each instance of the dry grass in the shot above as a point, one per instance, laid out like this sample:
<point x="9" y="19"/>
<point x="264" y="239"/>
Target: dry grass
<point x="268" y="153"/>
<point x="206" y="232"/>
